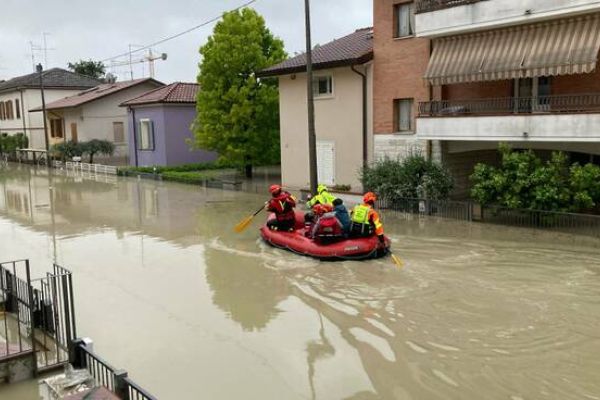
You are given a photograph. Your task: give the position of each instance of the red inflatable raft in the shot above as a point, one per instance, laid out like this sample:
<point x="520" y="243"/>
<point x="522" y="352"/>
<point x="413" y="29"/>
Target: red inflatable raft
<point x="346" y="249"/>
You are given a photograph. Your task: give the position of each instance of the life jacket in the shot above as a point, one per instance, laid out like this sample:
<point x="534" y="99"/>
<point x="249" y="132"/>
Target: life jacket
<point x="324" y="198"/>
<point x="360" y="214"/>
<point x="365" y="220"/>
<point x="283" y="206"/>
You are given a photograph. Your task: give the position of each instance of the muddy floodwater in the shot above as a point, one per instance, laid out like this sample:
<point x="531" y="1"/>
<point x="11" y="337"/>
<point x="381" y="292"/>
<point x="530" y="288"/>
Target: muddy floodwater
<point x="192" y="310"/>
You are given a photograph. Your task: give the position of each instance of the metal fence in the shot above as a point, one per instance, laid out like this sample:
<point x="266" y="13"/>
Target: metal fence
<point x="42" y="311"/>
<point x="106" y="375"/>
<point x="581" y="224"/>
<point x="459" y="210"/>
<point x="15" y="298"/>
<point x="433" y="5"/>
<point x="572" y="103"/>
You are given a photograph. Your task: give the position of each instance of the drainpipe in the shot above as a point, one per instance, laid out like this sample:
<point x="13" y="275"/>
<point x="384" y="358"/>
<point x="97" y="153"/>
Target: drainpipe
<point x="23" y="119"/>
<point x="365" y="133"/>
<point x="135" y="151"/>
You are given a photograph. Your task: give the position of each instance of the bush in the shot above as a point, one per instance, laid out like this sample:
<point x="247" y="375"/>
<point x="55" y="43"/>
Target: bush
<point x="68" y="149"/>
<point x="413" y="177"/>
<point x="10" y="143"/>
<point x="71" y="149"/>
<point x="523" y="180"/>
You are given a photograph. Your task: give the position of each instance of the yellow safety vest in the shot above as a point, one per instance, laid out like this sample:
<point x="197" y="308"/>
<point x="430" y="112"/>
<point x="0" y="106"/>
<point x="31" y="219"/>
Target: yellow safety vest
<point x="360" y="214"/>
<point x="322" y="198"/>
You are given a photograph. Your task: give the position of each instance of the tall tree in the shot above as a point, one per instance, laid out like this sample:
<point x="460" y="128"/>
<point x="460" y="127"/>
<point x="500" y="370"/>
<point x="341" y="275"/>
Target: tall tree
<point x="238" y="113"/>
<point x="94" y="69"/>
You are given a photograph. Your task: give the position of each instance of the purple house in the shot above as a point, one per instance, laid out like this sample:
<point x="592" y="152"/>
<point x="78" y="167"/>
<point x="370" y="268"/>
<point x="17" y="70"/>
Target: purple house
<point x="159" y="126"/>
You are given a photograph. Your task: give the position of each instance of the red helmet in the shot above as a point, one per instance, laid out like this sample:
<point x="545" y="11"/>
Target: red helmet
<point x="275" y="189"/>
<point x="369" y="197"/>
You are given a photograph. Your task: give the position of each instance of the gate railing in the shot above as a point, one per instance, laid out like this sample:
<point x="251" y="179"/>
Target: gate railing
<point x="86" y="167"/>
<point x="113" y="379"/>
<point x="43" y="312"/>
<point x="460" y="210"/>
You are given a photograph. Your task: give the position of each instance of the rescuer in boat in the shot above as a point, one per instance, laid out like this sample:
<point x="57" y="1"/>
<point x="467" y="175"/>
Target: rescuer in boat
<point x="322" y="198"/>
<point x="282" y="205"/>
<point x="365" y="220"/>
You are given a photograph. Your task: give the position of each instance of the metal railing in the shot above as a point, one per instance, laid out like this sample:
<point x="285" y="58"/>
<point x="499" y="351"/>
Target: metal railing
<point x="572" y="103"/>
<point x="106" y="375"/>
<point x="459" y="210"/>
<point x="86" y="167"/>
<point x="424" y="6"/>
<point x="580" y="224"/>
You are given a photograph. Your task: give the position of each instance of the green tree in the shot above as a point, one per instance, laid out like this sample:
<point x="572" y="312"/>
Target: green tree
<point x="238" y="113"/>
<point x="94" y="69"/>
<point x="96" y="146"/>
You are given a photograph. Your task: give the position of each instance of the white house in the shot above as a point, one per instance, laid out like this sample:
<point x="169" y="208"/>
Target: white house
<point x="95" y="114"/>
<point x="343" y="111"/>
<point x="20" y="94"/>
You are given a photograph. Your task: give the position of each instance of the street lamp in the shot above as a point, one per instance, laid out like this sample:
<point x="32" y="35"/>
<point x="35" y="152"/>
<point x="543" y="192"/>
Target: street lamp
<point x="40" y="71"/>
<point x="312" y="136"/>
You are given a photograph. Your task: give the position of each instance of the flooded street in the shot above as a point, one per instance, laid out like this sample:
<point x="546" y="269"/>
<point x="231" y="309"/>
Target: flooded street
<point x="192" y="310"/>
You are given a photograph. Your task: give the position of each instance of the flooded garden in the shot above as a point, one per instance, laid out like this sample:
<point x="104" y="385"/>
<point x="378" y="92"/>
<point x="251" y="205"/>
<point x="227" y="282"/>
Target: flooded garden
<point x="167" y="290"/>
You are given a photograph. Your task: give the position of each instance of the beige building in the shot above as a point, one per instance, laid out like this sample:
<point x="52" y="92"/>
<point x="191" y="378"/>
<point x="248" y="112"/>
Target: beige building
<point x="20" y="94"/>
<point x="95" y="114"/>
<point x="343" y="112"/>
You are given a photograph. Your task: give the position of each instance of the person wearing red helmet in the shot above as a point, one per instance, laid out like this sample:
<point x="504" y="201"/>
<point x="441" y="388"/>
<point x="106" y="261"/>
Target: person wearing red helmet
<point x="282" y="204"/>
<point x="365" y="220"/>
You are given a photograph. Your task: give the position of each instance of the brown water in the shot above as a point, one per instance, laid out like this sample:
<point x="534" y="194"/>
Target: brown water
<point x="192" y="310"/>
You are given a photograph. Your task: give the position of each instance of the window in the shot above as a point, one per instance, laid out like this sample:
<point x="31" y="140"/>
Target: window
<point x="146" y="135"/>
<point x="18" y="108"/>
<point x="1" y="110"/>
<point x="404" y="20"/>
<point x="403" y="115"/>
<point x="8" y="110"/>
<point x="56" y="128"/>
<point x="118" y="132"/>
<point x="323" y="86"/>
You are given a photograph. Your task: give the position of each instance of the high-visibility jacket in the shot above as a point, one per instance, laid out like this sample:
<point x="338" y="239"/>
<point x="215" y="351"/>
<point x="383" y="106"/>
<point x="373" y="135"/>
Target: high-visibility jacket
<point x="324" y="198"/>
<point x="283" y="206"/>
<point x="364" y="214"/>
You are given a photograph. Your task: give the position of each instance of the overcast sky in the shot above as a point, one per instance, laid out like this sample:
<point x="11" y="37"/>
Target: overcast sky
<point x="102" y="29"/>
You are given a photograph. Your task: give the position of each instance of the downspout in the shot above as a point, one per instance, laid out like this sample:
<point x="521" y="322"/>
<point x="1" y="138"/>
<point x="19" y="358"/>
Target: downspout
<point x="430" y="142"/>
<point x="135" y="151"/>
<point x="23" y="119"/>
<point x="365" y="133"/>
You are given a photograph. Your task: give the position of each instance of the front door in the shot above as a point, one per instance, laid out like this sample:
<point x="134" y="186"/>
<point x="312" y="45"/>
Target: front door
<point x="326" y="161"/>
<point x="74" y="132"/>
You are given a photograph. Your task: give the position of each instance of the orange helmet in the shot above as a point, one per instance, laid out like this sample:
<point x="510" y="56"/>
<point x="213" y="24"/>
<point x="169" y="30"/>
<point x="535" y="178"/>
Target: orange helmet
<point x="369" y="197"/>
<point x="275" y="189"/>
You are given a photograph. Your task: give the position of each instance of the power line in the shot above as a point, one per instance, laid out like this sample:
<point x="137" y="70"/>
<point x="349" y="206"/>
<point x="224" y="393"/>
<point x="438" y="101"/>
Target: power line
<point x="210" y="21"/>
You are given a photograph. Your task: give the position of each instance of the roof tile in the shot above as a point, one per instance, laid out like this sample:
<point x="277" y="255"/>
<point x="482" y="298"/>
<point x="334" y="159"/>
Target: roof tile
<point x="178" y="92"/>
<point x="53" y="78"/>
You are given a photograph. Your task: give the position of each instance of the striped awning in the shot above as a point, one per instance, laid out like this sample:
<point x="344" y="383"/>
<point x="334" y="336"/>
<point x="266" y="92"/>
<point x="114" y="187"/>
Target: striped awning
<point x="561" y="47"/>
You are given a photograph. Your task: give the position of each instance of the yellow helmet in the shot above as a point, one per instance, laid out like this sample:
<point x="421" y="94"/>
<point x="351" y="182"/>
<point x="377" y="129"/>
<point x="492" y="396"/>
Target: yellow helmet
<point x="321" y="189"/>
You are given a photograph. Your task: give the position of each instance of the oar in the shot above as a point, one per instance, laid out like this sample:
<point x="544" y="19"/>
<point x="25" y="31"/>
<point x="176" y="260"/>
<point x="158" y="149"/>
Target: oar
<point x="397" y="260"/>
<point x="246" y="221"/>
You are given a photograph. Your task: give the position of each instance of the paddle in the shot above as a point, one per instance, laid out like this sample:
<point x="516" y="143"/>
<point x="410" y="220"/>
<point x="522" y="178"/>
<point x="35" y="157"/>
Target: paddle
<point x="396" y="260"/>
<point x="246" y="221"/>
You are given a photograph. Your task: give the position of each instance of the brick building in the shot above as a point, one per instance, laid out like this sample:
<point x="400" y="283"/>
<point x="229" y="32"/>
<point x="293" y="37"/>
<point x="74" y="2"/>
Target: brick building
<point x="453" y="78"/>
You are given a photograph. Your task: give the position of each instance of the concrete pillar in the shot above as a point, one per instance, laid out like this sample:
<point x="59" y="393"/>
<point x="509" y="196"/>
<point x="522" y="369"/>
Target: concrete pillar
<point x="437" y="151"/>
<point x="76" y="356"/>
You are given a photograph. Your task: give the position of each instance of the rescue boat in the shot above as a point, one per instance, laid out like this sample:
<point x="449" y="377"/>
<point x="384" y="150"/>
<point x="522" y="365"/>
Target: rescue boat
<point x="344" y="249"/>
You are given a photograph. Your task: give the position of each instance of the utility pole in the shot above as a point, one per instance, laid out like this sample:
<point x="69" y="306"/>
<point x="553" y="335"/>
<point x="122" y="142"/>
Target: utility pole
<point x="40" y="71"/>
<point x="312" y="136"/>
<point x="44" y="34"/>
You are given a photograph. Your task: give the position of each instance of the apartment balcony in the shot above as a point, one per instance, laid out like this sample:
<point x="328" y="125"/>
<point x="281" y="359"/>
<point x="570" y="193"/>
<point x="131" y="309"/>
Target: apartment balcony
<point x="571" y="118"/>
<point x="437" y="18"/>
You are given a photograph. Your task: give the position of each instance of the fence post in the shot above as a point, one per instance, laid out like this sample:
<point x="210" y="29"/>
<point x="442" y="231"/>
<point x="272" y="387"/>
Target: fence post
<point x="121" y="386"/>
<point x="76" y="354"/>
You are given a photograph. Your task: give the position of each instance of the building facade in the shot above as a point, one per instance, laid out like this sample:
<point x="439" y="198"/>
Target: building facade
<point x="343" y="82"/>
<point x="522" y="72"/>
<point x="96" y="114"/>
<point x="160" y="127"/>
<point x="21" y="94"/>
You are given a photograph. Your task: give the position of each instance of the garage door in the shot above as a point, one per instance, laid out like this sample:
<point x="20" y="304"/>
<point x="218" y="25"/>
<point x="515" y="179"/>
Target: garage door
<point x="326" y="161"/>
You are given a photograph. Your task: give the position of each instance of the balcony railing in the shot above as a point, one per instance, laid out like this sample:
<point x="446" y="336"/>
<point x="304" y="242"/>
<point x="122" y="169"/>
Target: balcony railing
<point x="424" y="6"/>
<point x="576" y="103"/>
